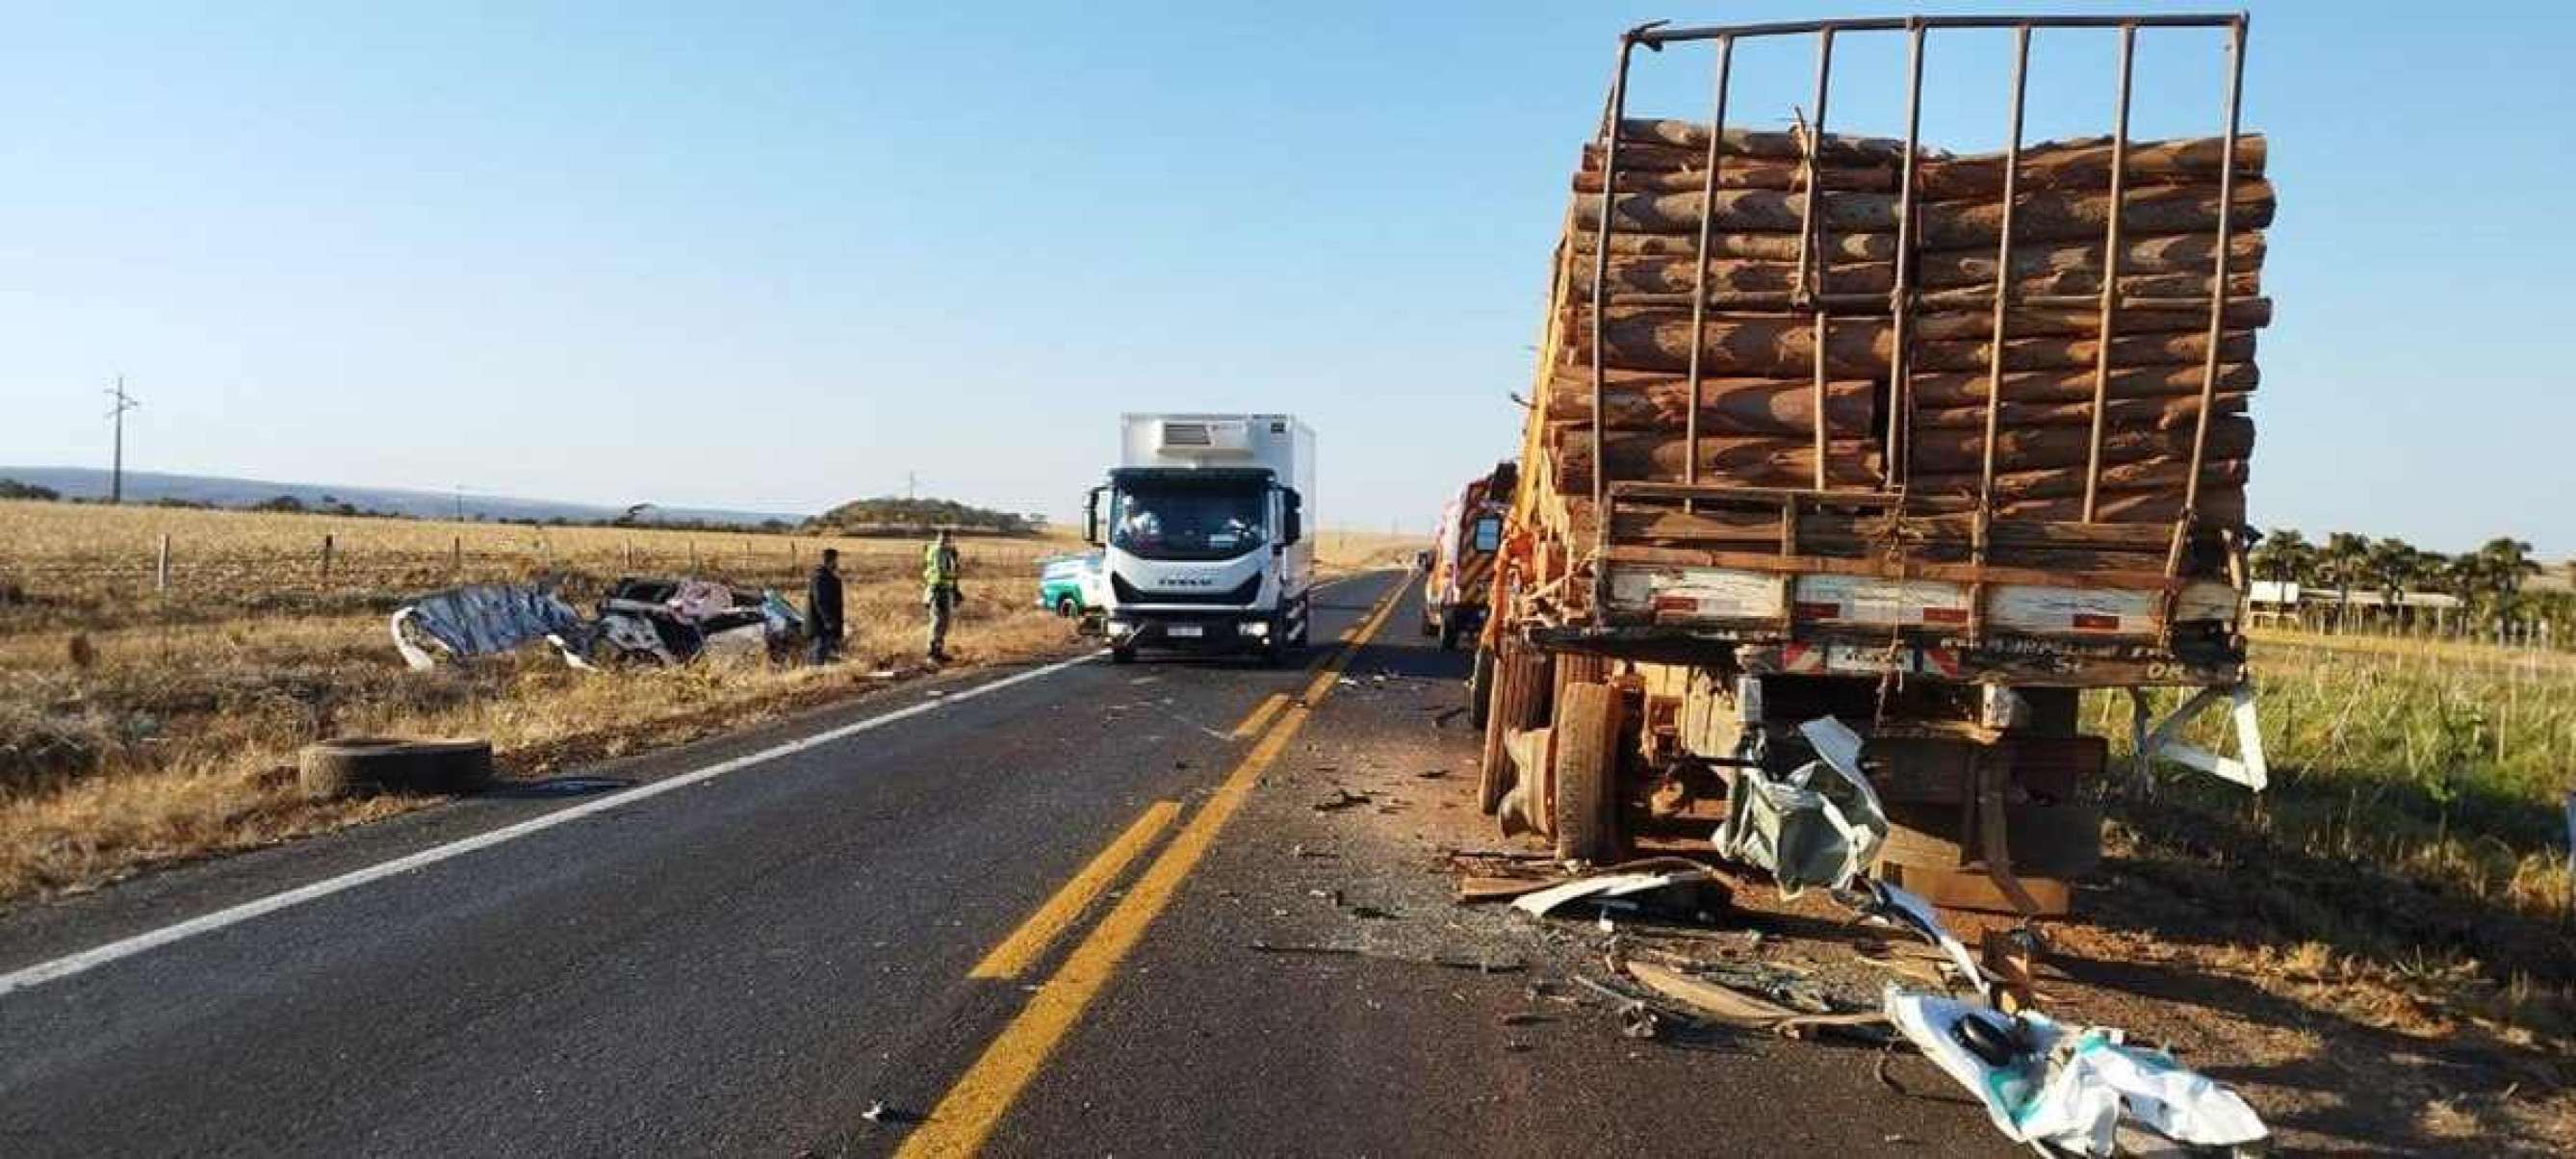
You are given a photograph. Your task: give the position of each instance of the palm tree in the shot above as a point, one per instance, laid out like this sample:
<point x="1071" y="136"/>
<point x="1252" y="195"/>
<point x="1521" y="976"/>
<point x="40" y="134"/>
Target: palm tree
<point x="2345" y="561"/>
<point x="2396" y="565"/>
<point x="2284" y="556"/>
<point x="2508" y="562"/>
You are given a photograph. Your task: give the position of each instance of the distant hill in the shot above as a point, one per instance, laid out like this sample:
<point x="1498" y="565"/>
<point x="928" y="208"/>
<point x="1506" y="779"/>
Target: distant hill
<point x="221" y="491"/>
<point x="890" y="514"/>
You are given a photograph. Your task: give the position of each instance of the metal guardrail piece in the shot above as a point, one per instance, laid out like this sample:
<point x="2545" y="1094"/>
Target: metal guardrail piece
<point x="2248" y="767"/>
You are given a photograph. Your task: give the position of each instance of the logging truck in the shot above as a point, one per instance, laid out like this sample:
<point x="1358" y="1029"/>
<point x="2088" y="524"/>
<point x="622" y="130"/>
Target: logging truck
<point x="1833" y="425"/>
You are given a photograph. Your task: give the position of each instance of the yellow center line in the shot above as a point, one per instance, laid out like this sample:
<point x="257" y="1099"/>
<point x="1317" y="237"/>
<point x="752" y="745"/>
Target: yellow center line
<point x="1021" y="950"/>
<point x="1260" y="716"/>
<point x="970" y="1111"/>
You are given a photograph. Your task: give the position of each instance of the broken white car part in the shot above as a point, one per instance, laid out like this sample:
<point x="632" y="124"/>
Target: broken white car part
<point x="2054" y="1086"/>
<point x="1878" y="901"/>
<point x="1821" y="825"/>
<point x="485" y="620"/>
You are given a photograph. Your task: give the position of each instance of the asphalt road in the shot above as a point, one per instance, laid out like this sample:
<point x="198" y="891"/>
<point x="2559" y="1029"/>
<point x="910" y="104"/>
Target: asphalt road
<point x="1027" y="920"/>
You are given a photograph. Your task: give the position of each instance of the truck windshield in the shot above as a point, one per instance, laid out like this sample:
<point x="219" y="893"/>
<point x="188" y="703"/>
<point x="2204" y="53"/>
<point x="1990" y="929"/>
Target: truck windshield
<point x="1184" y="520"/>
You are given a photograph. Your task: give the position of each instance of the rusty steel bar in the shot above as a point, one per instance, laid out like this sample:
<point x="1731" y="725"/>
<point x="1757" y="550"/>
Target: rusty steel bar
<point x="2003" y="262"/>
<point x="1617" y="114"/>
<point x="2110" y="275"/>
<point x="1900" y="419"/>
<point x="1699" y="277"/>
<point x="1663" y="36"/>
<point x="2217" y="292"/>
<point x="1811" y="279"/>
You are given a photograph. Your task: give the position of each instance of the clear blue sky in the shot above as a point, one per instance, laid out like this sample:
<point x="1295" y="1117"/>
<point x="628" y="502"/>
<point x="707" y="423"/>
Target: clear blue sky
<point x="775" y="256"/>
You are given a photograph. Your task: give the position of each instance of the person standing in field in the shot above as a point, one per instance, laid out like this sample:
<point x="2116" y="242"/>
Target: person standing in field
<point x="939" y="590"/>
<point x="823" y="607"/>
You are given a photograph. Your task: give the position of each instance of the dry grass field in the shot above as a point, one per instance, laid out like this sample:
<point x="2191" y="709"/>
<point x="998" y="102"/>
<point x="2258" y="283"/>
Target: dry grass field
<point x="2412" y="848"/>
<point x="140" y="725"/>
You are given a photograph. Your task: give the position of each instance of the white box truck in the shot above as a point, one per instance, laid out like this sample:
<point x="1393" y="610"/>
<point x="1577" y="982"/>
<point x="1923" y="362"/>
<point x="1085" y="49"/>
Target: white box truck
<point x="1202" y="524"/>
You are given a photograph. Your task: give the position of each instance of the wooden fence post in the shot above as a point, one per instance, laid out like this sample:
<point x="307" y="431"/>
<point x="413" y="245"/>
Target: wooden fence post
<point x="630" y="556"/>
<point x="326" y="555"/>
<point x="456" y="556"/>
<point x="161" y="566"/>
<point x="693" y="555"/>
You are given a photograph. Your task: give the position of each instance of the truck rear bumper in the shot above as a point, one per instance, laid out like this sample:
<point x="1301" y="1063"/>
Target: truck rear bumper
<point x="1834" y="624"/>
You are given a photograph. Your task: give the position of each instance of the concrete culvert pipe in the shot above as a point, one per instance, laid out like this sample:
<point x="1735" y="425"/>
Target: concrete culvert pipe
<point x="344" y="766"/>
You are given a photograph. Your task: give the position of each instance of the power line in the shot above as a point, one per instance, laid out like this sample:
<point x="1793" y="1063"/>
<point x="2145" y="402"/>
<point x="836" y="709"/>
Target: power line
<point x="122" y="402"/>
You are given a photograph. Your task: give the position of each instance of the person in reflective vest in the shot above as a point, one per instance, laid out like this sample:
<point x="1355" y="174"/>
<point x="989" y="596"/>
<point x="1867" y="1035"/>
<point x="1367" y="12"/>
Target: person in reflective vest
<point x="939" y="590"/>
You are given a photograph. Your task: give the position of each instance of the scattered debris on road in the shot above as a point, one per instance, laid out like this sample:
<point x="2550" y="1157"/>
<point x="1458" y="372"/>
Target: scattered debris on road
<point x="1716" y="1001"/>
<point x="1342" y="799"/>
<point x="2042" y="1082"/>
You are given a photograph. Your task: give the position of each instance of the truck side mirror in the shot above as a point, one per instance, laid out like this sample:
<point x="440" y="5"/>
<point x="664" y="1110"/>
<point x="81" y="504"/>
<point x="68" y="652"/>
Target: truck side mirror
<point x="1292" y="522"/>
<point x="1091" y="517"/>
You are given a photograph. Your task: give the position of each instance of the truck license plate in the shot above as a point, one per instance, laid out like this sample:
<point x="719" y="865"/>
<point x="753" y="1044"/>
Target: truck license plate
<point x="1187" y="631"/>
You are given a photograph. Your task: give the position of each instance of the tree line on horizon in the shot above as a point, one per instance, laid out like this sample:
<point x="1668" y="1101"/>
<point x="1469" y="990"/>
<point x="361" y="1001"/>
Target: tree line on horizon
<point x="2491" y="581"/>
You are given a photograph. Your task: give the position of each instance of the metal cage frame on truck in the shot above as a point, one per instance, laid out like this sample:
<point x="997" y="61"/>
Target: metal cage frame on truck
<point x="1883" y="582"/>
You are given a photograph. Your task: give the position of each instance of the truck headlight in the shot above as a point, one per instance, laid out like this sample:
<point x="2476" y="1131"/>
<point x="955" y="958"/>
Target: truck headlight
<point x="1254" y="627"/>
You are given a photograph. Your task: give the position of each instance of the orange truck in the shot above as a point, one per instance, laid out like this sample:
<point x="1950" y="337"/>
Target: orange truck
<point x="1460" y="575"/>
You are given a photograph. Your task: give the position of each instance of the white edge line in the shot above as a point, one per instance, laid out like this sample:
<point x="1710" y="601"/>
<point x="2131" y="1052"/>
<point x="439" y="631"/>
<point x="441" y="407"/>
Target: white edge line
<point x="71" y="964"/>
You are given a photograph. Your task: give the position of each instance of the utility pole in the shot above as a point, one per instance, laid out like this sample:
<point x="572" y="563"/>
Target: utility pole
<point x="911" y="485"/>
<point x="460" y="503"/>
<point x="123" y="402"/>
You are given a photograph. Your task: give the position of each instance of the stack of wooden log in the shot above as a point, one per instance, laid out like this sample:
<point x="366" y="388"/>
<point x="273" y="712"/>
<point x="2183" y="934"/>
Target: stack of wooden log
<point x="1758" y="342"/>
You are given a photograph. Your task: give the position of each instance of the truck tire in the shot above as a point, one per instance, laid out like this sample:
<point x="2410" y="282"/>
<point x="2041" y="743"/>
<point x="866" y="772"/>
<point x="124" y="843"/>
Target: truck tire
<point x="345" y="766"/>
<point x="1587" y="772"/>
<point x="1519" y="700"/>
<point x="1119" y="655"/>
<point x="1067" y="607"/>
<point x="1480" y="688"/>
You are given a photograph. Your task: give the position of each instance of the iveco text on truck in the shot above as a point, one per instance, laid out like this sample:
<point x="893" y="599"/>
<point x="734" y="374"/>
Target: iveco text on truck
<point x="1202" y="529"/>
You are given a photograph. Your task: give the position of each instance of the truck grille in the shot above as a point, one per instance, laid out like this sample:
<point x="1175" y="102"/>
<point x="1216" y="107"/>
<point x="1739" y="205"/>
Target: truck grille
<point x="1239" y="594"/>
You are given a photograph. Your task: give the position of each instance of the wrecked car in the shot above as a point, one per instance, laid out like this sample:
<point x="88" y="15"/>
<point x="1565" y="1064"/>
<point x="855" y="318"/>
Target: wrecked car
<point x="639" y="621"/>
<point x="673" y="621"/>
